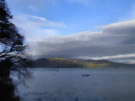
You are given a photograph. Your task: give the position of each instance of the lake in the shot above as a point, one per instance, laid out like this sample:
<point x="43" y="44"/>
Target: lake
<point x="72" y="84"/>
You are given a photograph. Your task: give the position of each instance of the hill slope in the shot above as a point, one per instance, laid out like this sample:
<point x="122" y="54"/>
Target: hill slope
<point x="75" y="63"/>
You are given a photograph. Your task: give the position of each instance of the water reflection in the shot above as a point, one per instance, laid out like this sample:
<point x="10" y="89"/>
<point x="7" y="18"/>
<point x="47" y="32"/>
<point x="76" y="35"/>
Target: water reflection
<point x="70" y="85"/>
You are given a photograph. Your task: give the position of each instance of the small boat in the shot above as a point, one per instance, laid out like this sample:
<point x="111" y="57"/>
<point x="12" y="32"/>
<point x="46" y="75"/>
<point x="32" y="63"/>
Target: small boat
<point x="85" y="74"/>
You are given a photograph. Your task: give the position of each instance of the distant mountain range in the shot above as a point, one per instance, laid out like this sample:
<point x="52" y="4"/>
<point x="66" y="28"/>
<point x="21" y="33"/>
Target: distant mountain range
<point x="76" y="63"/>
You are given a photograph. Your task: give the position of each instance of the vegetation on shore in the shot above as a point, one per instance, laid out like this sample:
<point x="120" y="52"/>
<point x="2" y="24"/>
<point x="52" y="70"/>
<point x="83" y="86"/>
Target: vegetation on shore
<point x="76" y="63"/>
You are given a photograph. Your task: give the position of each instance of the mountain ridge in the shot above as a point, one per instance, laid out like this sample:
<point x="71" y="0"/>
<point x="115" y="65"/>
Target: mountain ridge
<point x="76" y="63"/>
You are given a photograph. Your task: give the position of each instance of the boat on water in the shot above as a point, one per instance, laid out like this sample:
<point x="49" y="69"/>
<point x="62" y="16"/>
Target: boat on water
<point x="85" y="75"/>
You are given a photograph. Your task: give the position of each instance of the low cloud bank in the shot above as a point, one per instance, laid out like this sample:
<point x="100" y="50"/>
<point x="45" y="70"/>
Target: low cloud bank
<point x="116" y="40"/>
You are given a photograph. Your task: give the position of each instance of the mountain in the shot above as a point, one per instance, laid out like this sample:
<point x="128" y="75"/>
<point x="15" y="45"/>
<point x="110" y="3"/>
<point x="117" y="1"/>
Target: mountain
<point x="76" y="63"/>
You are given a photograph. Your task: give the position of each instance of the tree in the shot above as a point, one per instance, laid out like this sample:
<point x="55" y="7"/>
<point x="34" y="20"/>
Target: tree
<point x="12" y="54"/>
<point x="10" y="40"/>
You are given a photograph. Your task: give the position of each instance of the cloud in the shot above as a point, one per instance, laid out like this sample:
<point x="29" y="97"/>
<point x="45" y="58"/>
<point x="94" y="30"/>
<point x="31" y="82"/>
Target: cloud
<point x="44" y="21"/>
<point x="35" y="28"/>
<point x="115" y="56"/>
<point x="116" y="40"/>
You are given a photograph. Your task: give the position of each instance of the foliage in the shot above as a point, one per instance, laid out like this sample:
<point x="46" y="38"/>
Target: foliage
<point x="12" y="55"/>
<point x="71" y="63"/>
<point x="11" y="41"/>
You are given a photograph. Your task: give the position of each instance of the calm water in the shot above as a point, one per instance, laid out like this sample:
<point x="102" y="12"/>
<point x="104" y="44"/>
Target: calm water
<point x="106" y="84"/>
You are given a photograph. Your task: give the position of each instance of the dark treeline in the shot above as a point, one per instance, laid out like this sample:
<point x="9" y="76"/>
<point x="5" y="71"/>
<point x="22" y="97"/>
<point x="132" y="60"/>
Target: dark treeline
<point x="12" y="55"/>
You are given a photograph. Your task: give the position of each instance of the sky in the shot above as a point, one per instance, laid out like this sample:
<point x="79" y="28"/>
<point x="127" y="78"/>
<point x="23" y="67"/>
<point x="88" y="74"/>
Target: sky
<point x="87" y="29"/>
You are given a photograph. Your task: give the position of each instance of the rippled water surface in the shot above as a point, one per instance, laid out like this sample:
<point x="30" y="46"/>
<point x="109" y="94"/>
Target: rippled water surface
<point x="75" y="84"/>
